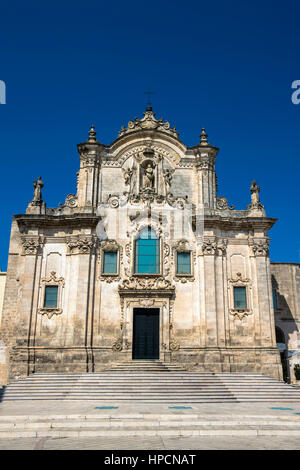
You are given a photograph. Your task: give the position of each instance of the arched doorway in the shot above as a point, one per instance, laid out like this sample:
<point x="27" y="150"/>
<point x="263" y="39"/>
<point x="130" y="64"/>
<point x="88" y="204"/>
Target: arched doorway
<point x="281" y="345"/>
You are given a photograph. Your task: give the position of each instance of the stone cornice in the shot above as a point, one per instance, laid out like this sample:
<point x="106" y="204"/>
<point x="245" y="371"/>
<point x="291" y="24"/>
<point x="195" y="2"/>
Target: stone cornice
<point x="72" y="221"/>
<point x="233" y="223"/>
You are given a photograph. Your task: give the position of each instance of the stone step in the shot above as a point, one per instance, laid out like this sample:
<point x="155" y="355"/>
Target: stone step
<point x="148" y="433"/>
<point x="150" y="387"/>
<point x="144" y="425"/>
<point x="144" y="377"/>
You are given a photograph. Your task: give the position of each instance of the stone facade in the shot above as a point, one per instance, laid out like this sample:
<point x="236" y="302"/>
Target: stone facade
<point x="147" y="177"/>
<point x="2" y="288"/>
<point x="286" y="293"/>
<point x="3" y="350"/>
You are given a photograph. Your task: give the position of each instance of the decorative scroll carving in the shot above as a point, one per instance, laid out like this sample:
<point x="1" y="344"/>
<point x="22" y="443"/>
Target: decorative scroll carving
<point x="240" y="313"/>
<point x="238" y="280"/>
<point x="181" y="246"/>
<point x="184" y="279"/>
<point x="71" y="201"/>
<point x="222" y="204"/>
<point x="82" y="245"/>
<point x="118" y="344"/>
<point x="147" y="196"/>
<point x="174" y="345"/>
<point x="148" y="122"/>
<point x="49" y="311"/>
<point x="222" y="246"/>
<point x="30" y="245"/>
<point x="53" y="280"/>
<point x="146" y="283"/>
<point x="110" y="245"/>
<point x="260" y="248"/>
<point x="110" y="278"/>
<point x="147" y="303"/>
<point x="205" y="162"/>
<point x="209" y="247"/>
<point x="113" y="201"/>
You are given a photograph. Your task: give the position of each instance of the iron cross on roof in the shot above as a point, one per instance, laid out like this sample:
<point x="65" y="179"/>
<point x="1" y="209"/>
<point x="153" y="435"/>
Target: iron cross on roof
<point x="149" y="93"/>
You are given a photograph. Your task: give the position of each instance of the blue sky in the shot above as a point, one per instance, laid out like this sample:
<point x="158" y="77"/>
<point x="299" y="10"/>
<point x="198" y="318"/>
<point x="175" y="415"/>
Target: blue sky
<point x="227" y="66"/>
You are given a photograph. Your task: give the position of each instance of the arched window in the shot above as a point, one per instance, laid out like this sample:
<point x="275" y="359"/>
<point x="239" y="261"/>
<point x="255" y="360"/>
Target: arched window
<point x="147" y="252"/>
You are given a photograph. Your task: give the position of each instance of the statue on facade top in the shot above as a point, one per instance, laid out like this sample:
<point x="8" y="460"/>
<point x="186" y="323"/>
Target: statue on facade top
<point x="256" y="206"/>
<point x="255" y="189"/>
<point x="37" y="194"/>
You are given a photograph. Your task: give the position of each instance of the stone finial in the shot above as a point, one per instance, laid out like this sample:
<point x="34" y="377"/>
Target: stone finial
<point x="92" y="134"/>
<point x="203" y="137"/>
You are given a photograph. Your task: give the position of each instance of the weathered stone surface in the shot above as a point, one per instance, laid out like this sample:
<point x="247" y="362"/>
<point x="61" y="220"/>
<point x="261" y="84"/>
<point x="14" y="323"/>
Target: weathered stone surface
<point x="286" y="291"/>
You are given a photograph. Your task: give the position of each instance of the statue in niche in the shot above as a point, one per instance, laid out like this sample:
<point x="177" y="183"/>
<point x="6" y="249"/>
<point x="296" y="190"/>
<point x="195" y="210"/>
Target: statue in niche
<point x="168" y="179"/>
<point x="37" y="195"/>
<point x="255" y="189"/>
<point x="148" y="177"/>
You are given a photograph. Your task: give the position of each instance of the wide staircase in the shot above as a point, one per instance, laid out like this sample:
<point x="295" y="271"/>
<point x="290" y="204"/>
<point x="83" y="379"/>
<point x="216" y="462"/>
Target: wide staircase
<point x="151" y="382"/>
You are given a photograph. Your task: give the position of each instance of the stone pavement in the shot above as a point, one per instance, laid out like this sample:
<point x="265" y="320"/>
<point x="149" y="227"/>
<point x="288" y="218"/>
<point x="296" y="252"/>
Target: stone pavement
<point x="276" y="411"/>
<point x="154" y="443"/>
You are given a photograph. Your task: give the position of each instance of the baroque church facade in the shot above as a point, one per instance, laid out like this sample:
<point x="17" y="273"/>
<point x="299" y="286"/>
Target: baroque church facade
<point x="145" y="261"/>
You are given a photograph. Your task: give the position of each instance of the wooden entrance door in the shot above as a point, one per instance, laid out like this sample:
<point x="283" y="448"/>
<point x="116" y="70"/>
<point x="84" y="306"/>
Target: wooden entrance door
<point x="145" y="333"/>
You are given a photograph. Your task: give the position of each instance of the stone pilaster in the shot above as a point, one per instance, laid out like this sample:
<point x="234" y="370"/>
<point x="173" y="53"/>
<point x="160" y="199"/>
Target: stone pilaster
<point x="205" y="157"/>
<point x="89" y="172"/>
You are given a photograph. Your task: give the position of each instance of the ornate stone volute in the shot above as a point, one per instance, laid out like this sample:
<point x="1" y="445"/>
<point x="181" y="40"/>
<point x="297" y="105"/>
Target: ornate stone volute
<point x="110" y="245"/>
<point x="31" y="245"/>
<point x="209" y="247"/>
<point x="222" y="204"/>
<point x="80" y="245"/>
<point x="260" y="247"/>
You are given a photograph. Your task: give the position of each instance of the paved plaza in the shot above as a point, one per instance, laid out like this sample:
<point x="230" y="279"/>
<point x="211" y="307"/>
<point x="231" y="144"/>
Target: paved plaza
<point x="278" y="412"/>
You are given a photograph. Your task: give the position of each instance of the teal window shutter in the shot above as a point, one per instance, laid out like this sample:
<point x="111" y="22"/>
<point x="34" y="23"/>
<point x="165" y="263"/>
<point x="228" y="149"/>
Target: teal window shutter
<point x="240" y="299"/>
<point x="147" y="252"/>
<point x="184" y="263"/>
<point x="51" y="293"/>
<point x="110" y="262"/>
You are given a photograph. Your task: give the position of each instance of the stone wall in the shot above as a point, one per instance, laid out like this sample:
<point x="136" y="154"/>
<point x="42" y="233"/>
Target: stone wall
<point x="286" y="288"/>
<point x="2" y="288"/>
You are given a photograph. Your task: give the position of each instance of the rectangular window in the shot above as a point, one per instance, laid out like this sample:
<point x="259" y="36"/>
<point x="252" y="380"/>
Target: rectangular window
<point x="240" y="300"/>
<point x="51" y="293"/>
<point x="110" y="262"/>
<point x="184" y="263"/>
<point x="274" y="299"/>
<point x="147" y="256"/>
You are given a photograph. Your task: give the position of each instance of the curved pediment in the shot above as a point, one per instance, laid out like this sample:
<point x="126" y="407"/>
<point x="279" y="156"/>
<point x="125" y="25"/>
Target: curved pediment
<point x="148" y="122"/>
